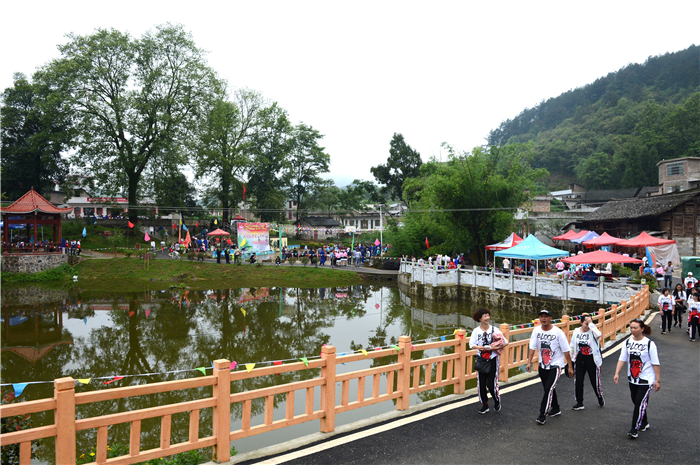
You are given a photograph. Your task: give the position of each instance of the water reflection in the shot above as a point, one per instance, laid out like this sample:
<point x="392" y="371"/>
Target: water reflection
<point x="93" y="335"/>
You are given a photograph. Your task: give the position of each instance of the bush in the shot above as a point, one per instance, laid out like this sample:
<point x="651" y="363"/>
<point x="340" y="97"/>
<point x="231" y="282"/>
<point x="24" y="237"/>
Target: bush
<point x="201" y="256"/>
<point x="128" y="253"/>
<point x="191" y="256"/>
<point x="635" y="278"/>
<point x="304" y="260"/>
<point x="291" y="260"/>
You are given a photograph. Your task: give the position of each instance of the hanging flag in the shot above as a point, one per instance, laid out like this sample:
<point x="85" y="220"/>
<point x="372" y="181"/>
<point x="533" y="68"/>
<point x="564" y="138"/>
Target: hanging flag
<point x="243" y="191"/>
<point x="279" y="362"/>
<point x="188" y="239"/>
<point x="19" y="388"/>
<point x="363" y="351"/>
<point x="442" y="338"/>
<point x="184" y="227"/>
<point x="305" y="360"/>
<point x="84" y="232"/>
<point x="243" y="312"/>
<point x="84" y="380"/>
<point x="215" y="222"/>
<point x="233" y="365"/>
<point x="115" y="378"/>
<point x="131" y="225"/>
<point x="203" y="370"/>
<point x="426" y="243"/>
<point x="146" y="237"/>
<point x="249" y="366"/>
<point x="148" y="312"/>
<point x="174" y="226"/>
<point x="132" y="313"/>
<point x="376" y="242"/>
<point x="85" y="319"/>
<point x="196" y="224"/>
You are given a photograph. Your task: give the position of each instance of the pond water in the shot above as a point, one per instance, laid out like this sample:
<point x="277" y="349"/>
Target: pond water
<point x="103" y="334"/>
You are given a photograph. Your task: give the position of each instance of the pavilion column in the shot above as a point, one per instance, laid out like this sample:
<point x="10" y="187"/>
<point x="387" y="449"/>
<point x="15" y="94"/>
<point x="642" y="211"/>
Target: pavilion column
<point x="6" y="230"/>
<point x="35" y="228"/>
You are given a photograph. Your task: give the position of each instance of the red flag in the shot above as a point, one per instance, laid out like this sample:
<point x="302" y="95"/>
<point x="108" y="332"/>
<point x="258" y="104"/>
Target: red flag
<point x="174" y="226"/>
<point x="426" y="243"/>
<point x="243" y="191"/>
<point x="197" y="224"/>
<point x="131" y="225"/>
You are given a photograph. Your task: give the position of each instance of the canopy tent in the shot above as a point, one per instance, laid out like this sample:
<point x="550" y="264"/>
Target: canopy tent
<point x="531" y="249"/>
<point x="218" y="232"/>
<point x="586" y="237"/>
<point x="645" y="240"/>
<point x="602" y="240"/>
<point x="600" y="256"/>
<point x="570" y="234"/>
<point x="510" y="241"/>
<point x="662" y="254"/>
<point x="239" y="218"/>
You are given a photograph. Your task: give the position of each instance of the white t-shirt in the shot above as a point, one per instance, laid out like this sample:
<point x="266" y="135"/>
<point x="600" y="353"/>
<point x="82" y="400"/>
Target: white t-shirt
<point x="506" y="263"/>
<point x="666" y="303"/>
<point x="641" y="356"/>
<point x="480" y="337"/>
<point x="551" y="346"/>
<point x="693" y="305"/>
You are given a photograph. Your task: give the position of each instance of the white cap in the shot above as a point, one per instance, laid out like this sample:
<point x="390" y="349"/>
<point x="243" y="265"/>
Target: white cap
<point x="690" y="273"/>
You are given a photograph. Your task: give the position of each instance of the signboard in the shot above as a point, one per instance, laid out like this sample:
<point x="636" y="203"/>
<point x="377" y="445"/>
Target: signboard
<point x="254" y="237"/>
<point x="350" y="229"/>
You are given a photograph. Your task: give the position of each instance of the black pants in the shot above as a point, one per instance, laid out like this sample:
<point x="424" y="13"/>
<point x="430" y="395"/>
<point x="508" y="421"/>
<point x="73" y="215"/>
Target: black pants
<point x="490" y="382"/>
<point x="694" y="326"/>
<point x="678" y="315"/>
<point x="585" y="364"/>
<point x="666" y="317"/>
<point x="640" y="398"/>
<point x="549" y="380"/>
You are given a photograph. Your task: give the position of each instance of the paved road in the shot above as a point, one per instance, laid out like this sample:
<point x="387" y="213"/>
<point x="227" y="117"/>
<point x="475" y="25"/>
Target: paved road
<point x="594" y="435"/>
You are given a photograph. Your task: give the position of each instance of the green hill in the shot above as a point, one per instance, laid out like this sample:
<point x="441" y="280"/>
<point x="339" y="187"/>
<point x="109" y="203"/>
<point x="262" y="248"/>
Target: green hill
<point x="611" y="133"/>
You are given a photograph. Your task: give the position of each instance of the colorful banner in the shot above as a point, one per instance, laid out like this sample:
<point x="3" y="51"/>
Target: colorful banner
<point x="254" y="236"/>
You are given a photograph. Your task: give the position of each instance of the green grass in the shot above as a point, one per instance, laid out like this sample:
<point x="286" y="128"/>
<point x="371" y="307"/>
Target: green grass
<point x="61" y="273"/>
<point x="130" y="273"/>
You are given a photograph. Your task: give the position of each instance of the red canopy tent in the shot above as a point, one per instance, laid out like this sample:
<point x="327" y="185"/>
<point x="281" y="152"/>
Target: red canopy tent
<point x="645" y="240"/>
<point x="600" y="256"/>
<point x="239" y="218"/>
<point x="605" y="239"/>
<point x="570" y="234"/>
<point x="510" y="241"/>
<point x="218" y="232"/>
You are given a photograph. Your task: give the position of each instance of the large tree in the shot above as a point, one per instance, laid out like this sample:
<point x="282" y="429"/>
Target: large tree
<point x="34" y="134"/>
<point x="403" y="163"/>
<point x="132" y="100"/>
<point x="224" y="145"/>
<point x="306" y="162"/>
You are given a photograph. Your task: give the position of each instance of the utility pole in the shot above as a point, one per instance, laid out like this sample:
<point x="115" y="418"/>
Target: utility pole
<point x="381" y="232"/>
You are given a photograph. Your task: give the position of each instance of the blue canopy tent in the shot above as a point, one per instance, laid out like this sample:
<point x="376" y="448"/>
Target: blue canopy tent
<point x="531" y="249"/>
<point x="587" y="237"/>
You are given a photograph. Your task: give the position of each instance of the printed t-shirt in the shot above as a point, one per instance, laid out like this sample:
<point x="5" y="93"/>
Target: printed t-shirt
<point x="551" y="346"/>
<point x="641" y="356"/>
<point x="666" y="303"/>
<point x="480" y="337"/>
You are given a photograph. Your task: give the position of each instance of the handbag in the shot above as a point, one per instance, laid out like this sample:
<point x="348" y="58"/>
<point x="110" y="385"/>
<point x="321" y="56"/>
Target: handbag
<point x="484" y="365"/>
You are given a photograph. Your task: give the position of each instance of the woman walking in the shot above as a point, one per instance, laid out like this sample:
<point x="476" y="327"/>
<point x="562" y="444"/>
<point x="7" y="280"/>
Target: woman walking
<point x="585" y="354"/>
<point x="666" y="304"/>
<point x="483" y="340"/>
<point x="643" y="372"/>
<point x="680" y="300"/>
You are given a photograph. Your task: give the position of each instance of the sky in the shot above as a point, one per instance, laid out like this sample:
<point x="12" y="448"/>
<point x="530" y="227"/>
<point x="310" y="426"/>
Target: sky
<point x="359" y="72"/>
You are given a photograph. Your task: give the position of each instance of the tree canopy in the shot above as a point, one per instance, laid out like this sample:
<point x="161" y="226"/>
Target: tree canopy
<point x="403" y="163"/>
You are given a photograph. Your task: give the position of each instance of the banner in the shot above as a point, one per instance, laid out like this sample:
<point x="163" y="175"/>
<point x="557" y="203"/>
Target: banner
<point x="255" y="237"/>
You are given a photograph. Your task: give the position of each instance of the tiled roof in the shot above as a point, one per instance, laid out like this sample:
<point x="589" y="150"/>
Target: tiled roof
<point x="321" y="221"/>
<point x="31" y="202"/>
<point x="641" y="206"/>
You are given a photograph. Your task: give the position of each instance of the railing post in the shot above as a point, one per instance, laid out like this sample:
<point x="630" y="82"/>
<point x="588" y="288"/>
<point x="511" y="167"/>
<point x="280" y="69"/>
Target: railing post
<point x="328" y="389"/>
<point x="474" y="275"/>
<point x="64" y="393"/>
<point x="616" y="319"/>
<point x="534" y="285"/>
<point x="505" y="356"/>
<point x="435" y="267"/>
<point x="566" y="319"/>
<point x="601" y="289"/>
<point x="492" y="279"/>
<point x="222" y="411"/>
<point x="628" y="314"/>
<point x="459" y="276"/>
<point x="461" y="362"/>
<point x="422" y="275"/>
<point x="404" y="378"/>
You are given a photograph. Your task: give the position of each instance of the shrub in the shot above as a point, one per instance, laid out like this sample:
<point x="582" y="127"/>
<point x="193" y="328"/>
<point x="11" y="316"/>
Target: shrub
<point x="191" y="256"/>
<point x="291" y="260"/>
<point x="635" y="278"/>
<point x="200" y="256"/>
<point x="128" y="253"/>
<point x="304" y="260"/>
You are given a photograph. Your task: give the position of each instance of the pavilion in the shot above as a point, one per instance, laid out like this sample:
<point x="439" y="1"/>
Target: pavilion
<point x="33" y="210"/>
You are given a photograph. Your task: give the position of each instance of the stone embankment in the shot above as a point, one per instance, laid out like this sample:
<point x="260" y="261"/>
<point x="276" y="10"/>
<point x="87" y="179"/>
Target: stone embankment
<point x="32" y="263"/>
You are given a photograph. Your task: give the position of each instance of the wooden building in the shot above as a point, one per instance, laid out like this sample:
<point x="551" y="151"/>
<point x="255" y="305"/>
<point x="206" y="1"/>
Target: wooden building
<point x="672" y="216"/>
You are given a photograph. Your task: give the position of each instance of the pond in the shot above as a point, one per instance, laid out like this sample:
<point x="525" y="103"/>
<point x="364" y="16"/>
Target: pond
<point x="167" y="334"/>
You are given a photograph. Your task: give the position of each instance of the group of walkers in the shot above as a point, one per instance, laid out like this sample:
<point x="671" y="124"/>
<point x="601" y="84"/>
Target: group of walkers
<point x="577" y="358"/>
<point x="673" y="305"/>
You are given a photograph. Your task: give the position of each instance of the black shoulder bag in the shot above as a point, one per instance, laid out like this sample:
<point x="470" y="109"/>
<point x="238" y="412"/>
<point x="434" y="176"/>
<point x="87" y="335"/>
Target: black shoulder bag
<point x="485" y="365"/>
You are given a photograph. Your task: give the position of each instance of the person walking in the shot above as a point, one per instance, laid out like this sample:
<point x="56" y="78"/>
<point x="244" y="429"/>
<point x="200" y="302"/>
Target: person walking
<point x="552" y="349"/>
<point x="680" y="305"/>
<point x="693" y="318"/>
<point x="643" y="372"/>
<point x="227" y="255"/>
<point x="666" y="304"/>
<point x="668" y="275"/>
<point x="483" y="339"/>
<point x="586" y="357"/>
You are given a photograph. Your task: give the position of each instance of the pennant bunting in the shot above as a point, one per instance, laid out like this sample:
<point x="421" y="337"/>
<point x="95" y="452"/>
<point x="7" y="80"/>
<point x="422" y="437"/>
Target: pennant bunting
<point x="131" y="225"/>
<point x="363" y="351"/>
<point x="116" y="378"/>
<point x="174" y="226"/>
<point x="85" y="319"/>
<point x="461" y="336"/>
<point x="243" y="312"/>
<point x="442" y="338"/>
<point x="398" y="349"/>
<point x="196" y="224"/>
<point x="146" y="237"/>
<point x="340" y="355"/>
<point x="249" y="366"/>
<point x="277" y="363"/>
<point x="84" y="380"/>
<point x="233" y="365"/>
<point x="455" y="332"/>
<point x="203" y="370"/>
<point x="19" y="388"/>
<point x="412" y="347"/>
<point x="305" y="360"/>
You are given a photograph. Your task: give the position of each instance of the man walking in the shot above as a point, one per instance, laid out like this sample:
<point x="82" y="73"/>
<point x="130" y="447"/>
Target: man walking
<point x="553" y="352"/>
<point x="668" y="275"/>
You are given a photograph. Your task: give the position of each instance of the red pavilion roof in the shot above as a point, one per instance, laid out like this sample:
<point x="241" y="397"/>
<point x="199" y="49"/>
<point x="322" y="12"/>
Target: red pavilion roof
<point x="32" y="202"/>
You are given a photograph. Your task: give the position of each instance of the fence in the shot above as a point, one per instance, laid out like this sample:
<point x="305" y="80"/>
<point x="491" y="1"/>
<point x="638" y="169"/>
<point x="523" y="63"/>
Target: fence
<point x="600" y="291"/>
<point x="403" y="378"/>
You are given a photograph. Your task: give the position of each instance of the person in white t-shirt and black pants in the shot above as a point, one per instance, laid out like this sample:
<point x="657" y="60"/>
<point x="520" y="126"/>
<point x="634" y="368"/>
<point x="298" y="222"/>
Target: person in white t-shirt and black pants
<point x="552" y="348"/>
<point x="586" y="356"/>
<point x="489" y="347"/>
<point x="666" y="305"/>
<point x="643" y="372"/>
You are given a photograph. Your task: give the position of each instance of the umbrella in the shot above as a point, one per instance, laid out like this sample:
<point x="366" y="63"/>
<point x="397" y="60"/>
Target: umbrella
<point x="570" y="234"/>
<point x="605" y="239"/>
<point x="218" y="232"/>
<point x="600" y="256"/>
<point x="645" y="240"/>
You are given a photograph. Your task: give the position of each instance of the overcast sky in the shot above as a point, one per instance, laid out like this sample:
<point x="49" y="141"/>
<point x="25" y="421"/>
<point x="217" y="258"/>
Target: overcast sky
<point x="358" y="72"/>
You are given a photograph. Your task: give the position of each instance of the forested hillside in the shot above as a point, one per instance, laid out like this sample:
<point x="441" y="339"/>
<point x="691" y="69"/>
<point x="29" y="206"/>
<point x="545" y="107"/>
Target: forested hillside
<point x="611" y="133"/>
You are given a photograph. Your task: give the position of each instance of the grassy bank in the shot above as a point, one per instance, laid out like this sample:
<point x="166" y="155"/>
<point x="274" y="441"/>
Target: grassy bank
<point x="129" y="273"/>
